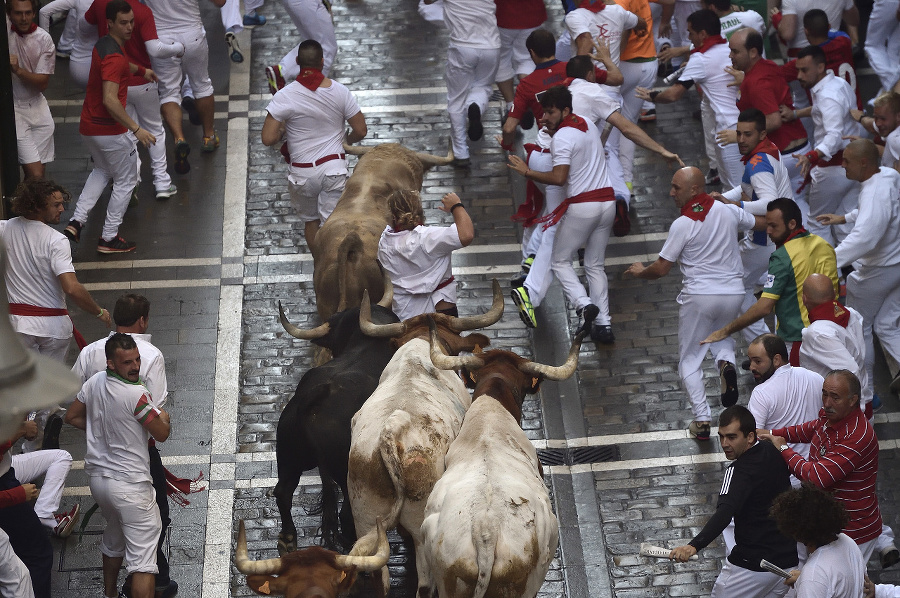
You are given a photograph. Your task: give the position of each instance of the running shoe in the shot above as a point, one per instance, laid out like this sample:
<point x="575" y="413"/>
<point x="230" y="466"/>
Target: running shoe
<point x="210" y="144"/>
<point x="476" y="129"/>
<point x="526" y="310"/>
<point x="189" y="105"/>
<point x="182" y="149"/>
<point x="234" y="48"/>
<point x="728" y="380"/>
<point x="115" y="245"/>
<point x="73" y="231"/>
<point x="274" y="78"/>
<point x="65" y="522"/>
<point x="698" y="430"/>
<point x="253" y="20"/>
<point x="648" y="116"/>
<point x="527" y="263"/>
<point x="712" y="177"/>
<point x="167" y="192"/>
<point x="602" y="333"/>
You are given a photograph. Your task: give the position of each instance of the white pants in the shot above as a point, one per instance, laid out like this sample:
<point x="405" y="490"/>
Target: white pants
<point x="885" y="540"/>
<point x="683" y="9"/>
<point x="831" y="192"/>
<point x="736" y="581"/>
<point x="314" y="195"/>
<point x="115" y="158"/>
<point x="15" y="580"/>
<point x="731" y="169"/>
<point x="540" y="241"/>
<point x="313" y="21"/>
<point x="133" y="523"/>
<point x="54" y="348"/>
<point x="584" y="224"/>
<point x="708" y="123"/>
<point x="232" y="19"/>
<point x="883" y="42"/>
<point x="470" y="75"/>
<point x="755" y="259"/>
<point x="55" y="463"/>
<point x="800" y="197"/>
<point x="80" y="70"/>
<point x="874" y="292"/>
<point x="34" y="131"/>
<point x="143" y="108"/>
<point x="194" y="64"/>
<point x="636" y="74"/>
<point x="514" y="57"/>
<point x="68" y="37"/>
<point x="698" y="316"/>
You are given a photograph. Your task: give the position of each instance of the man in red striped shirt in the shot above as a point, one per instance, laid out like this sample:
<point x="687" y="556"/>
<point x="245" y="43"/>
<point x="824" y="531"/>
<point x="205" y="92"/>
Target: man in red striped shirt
<point x="843" y="456"/>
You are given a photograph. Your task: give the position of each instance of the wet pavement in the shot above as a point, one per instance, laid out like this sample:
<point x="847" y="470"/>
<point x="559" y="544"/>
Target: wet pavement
<point x="215" y="260"/>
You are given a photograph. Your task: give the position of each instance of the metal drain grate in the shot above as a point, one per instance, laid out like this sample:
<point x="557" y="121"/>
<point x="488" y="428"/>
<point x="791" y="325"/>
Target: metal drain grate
<point x="578" y="456"/>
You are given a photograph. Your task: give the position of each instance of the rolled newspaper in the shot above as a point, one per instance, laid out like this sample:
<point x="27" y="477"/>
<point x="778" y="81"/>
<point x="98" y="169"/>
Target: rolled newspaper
<point x="648" y="549"/>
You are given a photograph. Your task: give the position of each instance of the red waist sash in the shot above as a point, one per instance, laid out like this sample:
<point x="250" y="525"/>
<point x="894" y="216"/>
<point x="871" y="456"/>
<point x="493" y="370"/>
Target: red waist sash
<point x="603" y="194"/>
<point x="23" y="309"/>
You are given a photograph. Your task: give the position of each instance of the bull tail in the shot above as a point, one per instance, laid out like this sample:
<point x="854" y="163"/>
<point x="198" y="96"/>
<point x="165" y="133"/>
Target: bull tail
<point x="349" y="252"/>
<point x="411" y="470"/>
<point x="484" y="537"/>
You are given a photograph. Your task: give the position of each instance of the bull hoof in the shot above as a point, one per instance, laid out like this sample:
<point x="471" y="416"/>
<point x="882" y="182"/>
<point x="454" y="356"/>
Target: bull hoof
<point x="286" y="543"/>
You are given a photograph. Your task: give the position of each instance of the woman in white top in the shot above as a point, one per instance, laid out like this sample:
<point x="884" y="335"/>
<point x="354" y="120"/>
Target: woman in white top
<point x="417" y="257"/>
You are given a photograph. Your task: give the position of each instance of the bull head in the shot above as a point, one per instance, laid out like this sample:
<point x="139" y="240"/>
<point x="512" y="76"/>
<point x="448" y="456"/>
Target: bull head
<point x="323" y="329"/>
<point x="460" y="324"/>
<point x="335" y="572"/>
<point x="427" y="160"/>
<point x="532" y="368"/>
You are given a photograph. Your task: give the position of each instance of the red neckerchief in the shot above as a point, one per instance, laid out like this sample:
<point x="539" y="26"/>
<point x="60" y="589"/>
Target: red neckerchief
<point x="833" y="312"/>
<point x="698" y="208"/>
<point x="763" y="147"/>
<point x="574" y="121"/>
<point x="709" y="42"/>
<point x="798" y="231"/>
<point x="593" y="5"/>
<point x="310" y="78"/>
<point x="31" y="29"/>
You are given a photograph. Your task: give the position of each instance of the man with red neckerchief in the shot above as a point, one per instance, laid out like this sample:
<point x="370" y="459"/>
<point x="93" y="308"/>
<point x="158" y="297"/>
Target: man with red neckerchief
<point x="585" y="217"/>
<point x="843" y="456"/>
<point x="703" y="240"/>
<point x="310" y="112"/>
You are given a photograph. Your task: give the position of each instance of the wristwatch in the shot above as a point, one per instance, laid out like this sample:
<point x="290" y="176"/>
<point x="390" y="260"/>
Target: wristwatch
<point x="783" y="448"/>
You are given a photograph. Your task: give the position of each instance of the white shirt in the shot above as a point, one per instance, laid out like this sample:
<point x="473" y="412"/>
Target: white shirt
<point x="765" y="178"/>
<point x="175" y="16"/>
<point x="706" y="69"/>
<point x="707" y="252"/>
<point x="836" y="570"/>
<point x="314" y="121"/>
<point x="92" y="359"/>
<point x="833" y="8"/>
<point x="590" y="101"/>
<point x="116" y="439"/>
<point x="472" y="23"/>
<point x="832" y="100"/>
<point x="583" y="153"/>
<point x="36" y="54"/>
<point x="607" y="24"/>
<point x="36" y="255"/>
<point x="85" y="33"/>
<point x="828" y="346"/>
<point x="739" y="19"/>
<point x="891" y="149"/>
<point x="875" y="237"/>
<point x="418" y="261"/>
<point x="791" y="396"/>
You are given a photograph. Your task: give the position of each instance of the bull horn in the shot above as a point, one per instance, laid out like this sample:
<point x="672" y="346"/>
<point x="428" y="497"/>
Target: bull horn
<point x="442" y="361"/>
<point x="245" y="565"/>
<point x="387" y="297"/>
<point x="357" y="150"/>
<point x="561" y="372"/>
<point x="431" y="160"/>
<point x="484" y="320"/>
<point x="378" y="330"/>
<point x="369" y="563"/>
<point x="308" y="335"/>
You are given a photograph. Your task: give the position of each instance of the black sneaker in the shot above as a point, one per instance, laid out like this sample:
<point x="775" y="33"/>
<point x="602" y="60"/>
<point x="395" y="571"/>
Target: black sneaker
<point x="589" y="312"/>
<point x="890" y="556"/>
<point x="527" y="120"/>
<point x="602" y="333"/>
<point x="51" y="432"/>
<point x="190" y="106"/>
<point x="115" y="245"/>
<point x="73" y="231"/>
<point x="712" y="177"/>
<point x="728" y="380"/>
<point x="461" y="163"/>
<point x="476" y="129"/>
<point x="182" y="149"/>
<point x="527" y="262"/>
<point x="518" y="280"/>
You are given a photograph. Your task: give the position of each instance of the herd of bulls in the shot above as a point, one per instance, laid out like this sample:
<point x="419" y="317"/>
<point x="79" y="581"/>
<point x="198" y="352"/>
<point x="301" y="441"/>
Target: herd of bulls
<point x="390" y="421"/>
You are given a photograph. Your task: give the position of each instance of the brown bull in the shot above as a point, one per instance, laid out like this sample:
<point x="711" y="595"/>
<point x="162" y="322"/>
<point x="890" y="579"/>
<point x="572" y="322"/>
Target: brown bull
<point x="346" y="246"/>
<point x="312" y="572"/>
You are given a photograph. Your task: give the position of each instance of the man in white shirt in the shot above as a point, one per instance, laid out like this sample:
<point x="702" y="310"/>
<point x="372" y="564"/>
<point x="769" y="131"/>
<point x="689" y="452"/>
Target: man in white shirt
<point x="832" y="99"/>
<point x="312" y="18"/>
<point x="596" y="20"/>
<point x="40" y="275"/>
<point x="765" y="178"/>
<point x="884" y="122"/>
<point x="873" y="247"/>
<point x="473" y="56"/>
<point x="705" y="67"/>
<point x="790" y="21"/>
<point x="703" y="240"/>
<point x="32" y="59"/>
<point x="179" y="21"/>
<point x="310" y="112"/>
<point x="118" y="414"/>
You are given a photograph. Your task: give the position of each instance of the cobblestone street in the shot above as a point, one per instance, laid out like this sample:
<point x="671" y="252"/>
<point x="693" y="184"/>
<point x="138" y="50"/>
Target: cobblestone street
<point x="216" y="259"/>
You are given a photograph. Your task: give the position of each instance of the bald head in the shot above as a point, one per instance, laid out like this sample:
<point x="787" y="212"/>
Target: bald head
<point x="817" y="289"/>
<point x="864" y="149"/>
<point x="861" y="160"/>
<point x="686" y="183"/>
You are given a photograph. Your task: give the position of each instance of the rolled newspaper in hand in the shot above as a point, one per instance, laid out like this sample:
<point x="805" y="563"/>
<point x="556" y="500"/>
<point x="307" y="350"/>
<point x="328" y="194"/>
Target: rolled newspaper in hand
<point x="648" y="549"/>
<point x="774" y="569"/>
